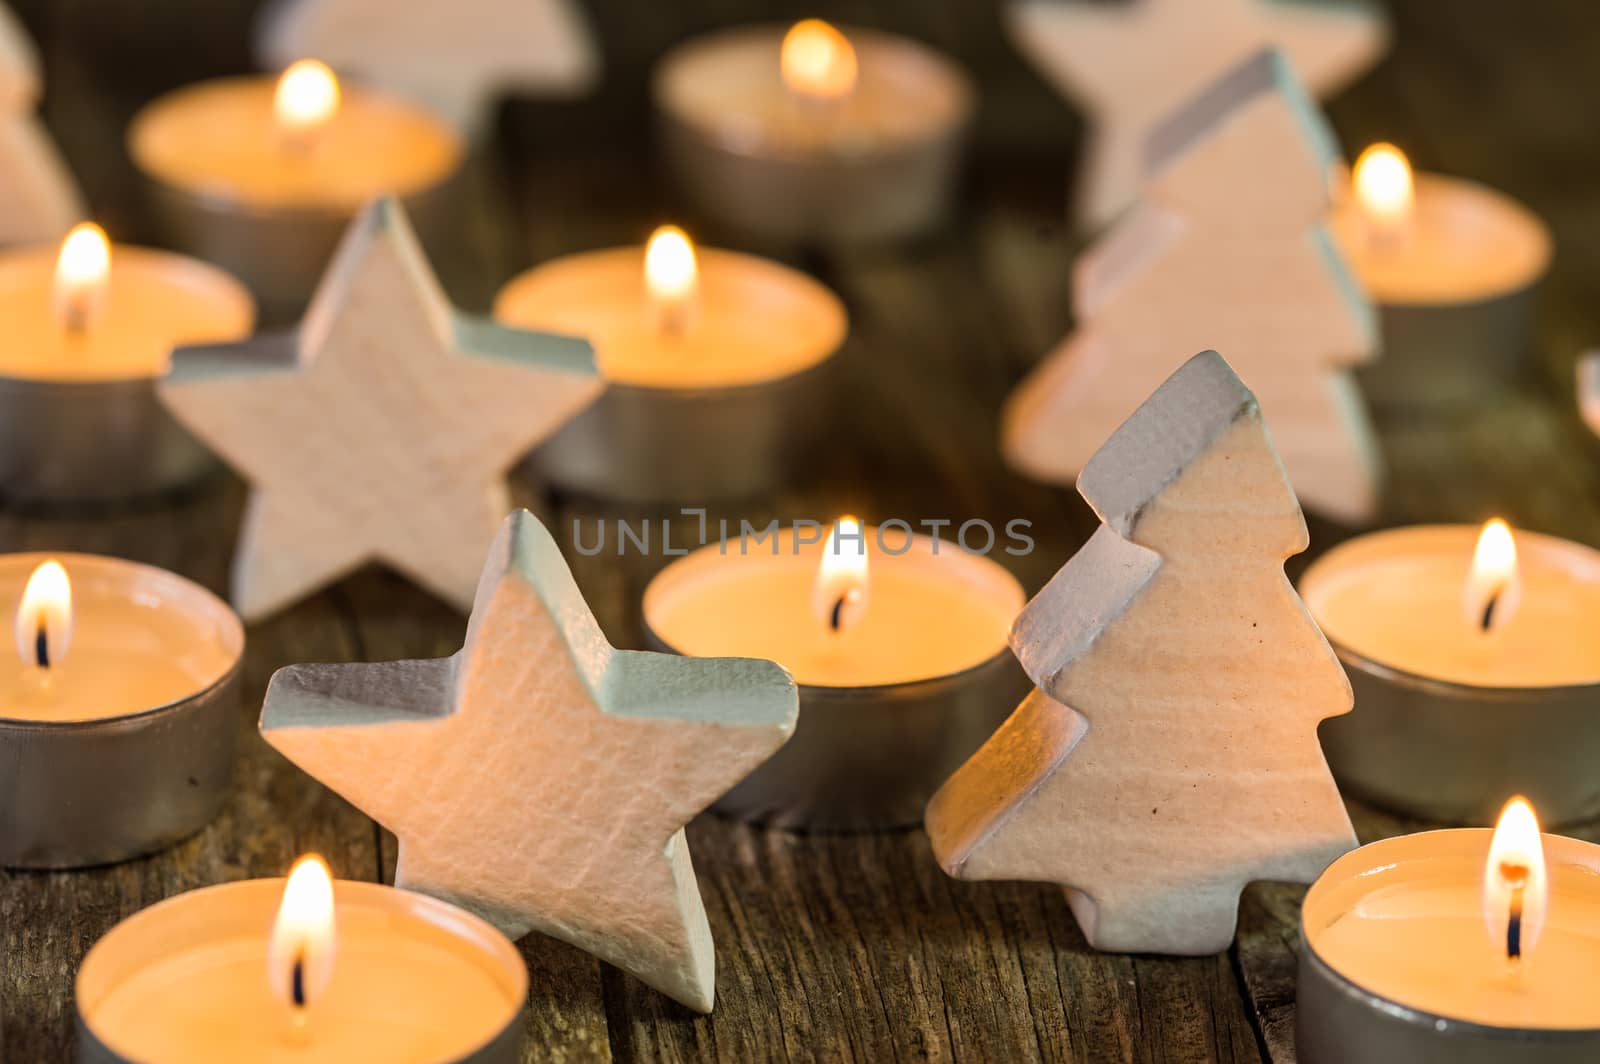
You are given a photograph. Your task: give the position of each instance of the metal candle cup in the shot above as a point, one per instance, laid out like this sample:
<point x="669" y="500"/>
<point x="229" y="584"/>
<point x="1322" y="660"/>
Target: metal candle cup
<point x="370" y="919"/>
<point x="86" y="789"/>
<point x="79" y="417"/>
<point x="1444" y="749"/>
<point x="1455" y="295"/>
<point x="222" y="188"/>
<point x="864" y="755"/>
<point x="724" y="408"/>
<point x="883" y="165"/>
<point x="1338" y="1020"/>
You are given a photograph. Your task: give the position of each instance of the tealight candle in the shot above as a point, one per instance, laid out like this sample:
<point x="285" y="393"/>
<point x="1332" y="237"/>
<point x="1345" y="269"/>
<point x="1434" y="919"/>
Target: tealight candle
<point x="1460" y="946"/>
<point x="262" y="175"/>
<point x="1453" y="267"/>
<point x="1475" y="668"/>
<point x="812" y="134"/>
<point x="117" y="709"/>
<point x="89" y="328"/>
<point x="898" y="643"/>
<point x="714" y="360"/>
<point x="304" y="969"/>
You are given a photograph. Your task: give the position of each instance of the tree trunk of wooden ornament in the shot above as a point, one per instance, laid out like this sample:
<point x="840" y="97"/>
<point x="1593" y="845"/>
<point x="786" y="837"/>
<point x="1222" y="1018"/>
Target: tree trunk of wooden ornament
<point x="1170" y="754"/>
<point x="1227" y="250"/>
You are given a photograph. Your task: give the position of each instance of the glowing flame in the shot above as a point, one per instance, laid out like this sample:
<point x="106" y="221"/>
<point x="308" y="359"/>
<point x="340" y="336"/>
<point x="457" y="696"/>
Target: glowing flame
<point x="1516" y="889"/>
<point x="671" y="277"/>
<point x="839" y="596"/>
<point x="82" y="270"/>
<point x="1384" y="189"/>
<point x="306" y="100"/>
<point x="818" y="61"/>
<point x="44" y="617"/>
<point x="300" y="954"/>
<point x="1494" y="586"/>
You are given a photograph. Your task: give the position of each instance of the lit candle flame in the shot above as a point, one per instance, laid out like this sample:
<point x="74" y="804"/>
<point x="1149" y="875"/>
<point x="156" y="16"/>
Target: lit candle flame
<point x="305" y="102"/>
<point x="300" y="954"/>
<point x="1494" y="584"/>
<point x="839" y="596"/>
<point x="1516" y="888"/>
<point x="44" y="617"/>
<point x="83" y="269"/>
<point x="818" y="62"/>
<point x="1384" y="191"/>
<point x="671" y="278"/>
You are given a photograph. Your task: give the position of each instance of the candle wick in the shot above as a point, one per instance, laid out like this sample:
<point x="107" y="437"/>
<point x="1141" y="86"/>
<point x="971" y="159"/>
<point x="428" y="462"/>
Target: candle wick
<point x="1518" y="876"/>
<point x="1488" y="611"/>
<point x="297" y="982"/>
<point x="41" y="645"/>
<point x="836" y="615"/>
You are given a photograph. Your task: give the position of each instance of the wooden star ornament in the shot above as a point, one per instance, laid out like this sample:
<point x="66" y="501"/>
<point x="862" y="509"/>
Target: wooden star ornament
<point x="381" y="429"/>
<point x="456" y="57"/>
<point x="541" y="777"/>
<point x="1128" y="64"/>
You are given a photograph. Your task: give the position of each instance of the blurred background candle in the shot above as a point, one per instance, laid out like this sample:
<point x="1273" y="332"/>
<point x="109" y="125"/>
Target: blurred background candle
<point x="262" y="174"/>
<point x="1464" y="946"/>
<point x="305" y="969"/>
<point x="714" y="360"/>
<point x="813" y="134"/>
<point x="117" y="709"/>
<point x="898" y="645"/>
<point x="88" y="329"/>
<point x="1475" y="666"/>
<point x="1453" y="267"/>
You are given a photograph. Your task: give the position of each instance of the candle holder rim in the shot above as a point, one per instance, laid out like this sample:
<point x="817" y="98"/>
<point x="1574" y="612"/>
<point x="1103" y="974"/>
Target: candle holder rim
<point x="964" y="92"/>
<point x="1447" y="1026"/>
<point x="225" y="614"/>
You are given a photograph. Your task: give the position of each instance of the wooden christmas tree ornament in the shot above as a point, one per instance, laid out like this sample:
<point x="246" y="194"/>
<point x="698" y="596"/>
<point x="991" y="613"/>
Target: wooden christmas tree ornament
<point x="1130" y="63"/>
<point x="1589" y="390"/>
<point x="381" y="429"/>
<point x="1228" y="249"/>
<point x="1169" y="755"/>
<point x="541" y="777"/>
<point x="38" y="198"/>
<point x="457" y="57"/>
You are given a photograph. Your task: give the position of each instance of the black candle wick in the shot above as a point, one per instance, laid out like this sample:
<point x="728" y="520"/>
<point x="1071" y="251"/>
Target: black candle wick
<point x="1518" y="877"/>
<point x="41" y="645"/>
<point x="836" y="616"/>
<point x="297" y="982"/>
<point x="1488" y="611"/>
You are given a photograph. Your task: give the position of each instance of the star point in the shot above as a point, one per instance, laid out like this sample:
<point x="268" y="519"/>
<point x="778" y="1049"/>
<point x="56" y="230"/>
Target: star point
<point x="381" y="429"/>
<point x="540" y="776"/>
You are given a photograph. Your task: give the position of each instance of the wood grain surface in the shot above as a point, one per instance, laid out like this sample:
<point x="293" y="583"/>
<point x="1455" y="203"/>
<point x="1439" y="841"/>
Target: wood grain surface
<point x="831" y="947"/>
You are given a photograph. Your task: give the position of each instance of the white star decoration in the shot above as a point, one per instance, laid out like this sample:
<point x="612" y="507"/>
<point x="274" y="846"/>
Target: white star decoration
<point x="380" y="430"/>
<point x="1129" y="64"/>
<point x="541" y="777"/>
<point x="456" y="56"/>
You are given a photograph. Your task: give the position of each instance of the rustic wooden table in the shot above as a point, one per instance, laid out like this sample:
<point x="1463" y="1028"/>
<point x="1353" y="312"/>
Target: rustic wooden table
<point x="847" y="947"/>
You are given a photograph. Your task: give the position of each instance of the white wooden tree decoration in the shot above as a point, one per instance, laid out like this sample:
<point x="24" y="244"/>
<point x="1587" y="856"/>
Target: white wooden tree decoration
<point x="541" y="777"/>
<point x="456" y="56"/>
<point x="381" y="429"/>
<point x="1169" y="755"/>
<point x="1227" y="249"/>
<point x="39" y="200"/>
<point x="1130" y="63"/>
<point x="1589" y="390"/>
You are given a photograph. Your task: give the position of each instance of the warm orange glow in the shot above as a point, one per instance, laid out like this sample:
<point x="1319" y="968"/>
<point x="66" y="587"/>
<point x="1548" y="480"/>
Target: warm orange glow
<point x="1516" y="888"/>
<point x="671" y="277"/>
<point x="44" y="616"/>
<point x="1494" y="586"/>
<point x="300" y="955"/>
<point x="818" y="61"/>
<point x="1384" y="189"/>
<point x="839" y="597"/>
<point x="82" y="271"/>
<point x="307" y="98"/>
